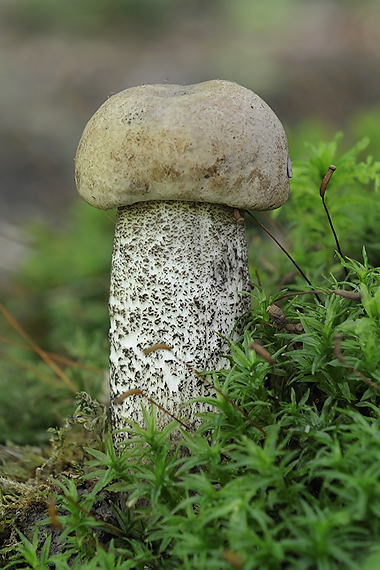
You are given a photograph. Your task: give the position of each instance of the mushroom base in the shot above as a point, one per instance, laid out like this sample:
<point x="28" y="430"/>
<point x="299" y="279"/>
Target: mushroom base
<point x="177" y="270"/>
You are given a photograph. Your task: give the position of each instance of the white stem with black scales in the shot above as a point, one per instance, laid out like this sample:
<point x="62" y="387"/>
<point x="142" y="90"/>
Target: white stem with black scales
<point x="177" y="270"/>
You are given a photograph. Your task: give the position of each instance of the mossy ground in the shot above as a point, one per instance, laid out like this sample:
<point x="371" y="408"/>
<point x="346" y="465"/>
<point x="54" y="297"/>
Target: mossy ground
<point x="284" y="474"/>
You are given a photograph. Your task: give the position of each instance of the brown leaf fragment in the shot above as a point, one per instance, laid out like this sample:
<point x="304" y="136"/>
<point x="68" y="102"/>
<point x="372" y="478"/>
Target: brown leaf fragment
<point x="238" y="217"/>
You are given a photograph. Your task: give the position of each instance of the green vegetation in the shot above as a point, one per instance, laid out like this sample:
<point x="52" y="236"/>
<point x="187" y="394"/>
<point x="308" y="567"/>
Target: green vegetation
<point x="302" y="226"/>
<point x="284" y="474"/>
<point x="100" y="16"/>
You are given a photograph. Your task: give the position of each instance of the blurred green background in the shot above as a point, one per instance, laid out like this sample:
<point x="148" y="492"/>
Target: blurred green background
<point x="315" y="62"/>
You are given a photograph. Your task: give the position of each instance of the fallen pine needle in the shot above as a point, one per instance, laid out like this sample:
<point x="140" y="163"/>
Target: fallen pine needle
<point x="37" y="349"/>
<point x="53" y="356"/>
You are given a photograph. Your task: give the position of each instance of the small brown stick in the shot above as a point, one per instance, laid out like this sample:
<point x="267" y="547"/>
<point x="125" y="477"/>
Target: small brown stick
<point x="284" y="250"/>
<point x="353" y="295"/>
<point x="120" y="399"/>
<point x="339" y="356"/>
<point x="155" y="347"/>
<point x="261" y="351"/>
<point x="326" y="180"/>
<point x="204" y="379"/>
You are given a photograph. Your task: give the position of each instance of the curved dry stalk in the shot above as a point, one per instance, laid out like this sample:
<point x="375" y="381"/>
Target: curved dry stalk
<point x="284" y="250"/>
<point x="322" y="191"/>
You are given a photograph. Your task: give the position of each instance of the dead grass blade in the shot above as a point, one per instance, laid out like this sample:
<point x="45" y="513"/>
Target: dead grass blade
<point x="31" y="369"/>
<point x="12" y="321"/>
<point x="55" y="357"/>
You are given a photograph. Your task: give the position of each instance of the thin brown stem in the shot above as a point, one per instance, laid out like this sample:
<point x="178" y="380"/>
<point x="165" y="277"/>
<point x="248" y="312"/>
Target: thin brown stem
<point x="12" y="321"/>
<point x="120" y="399"/>
<point x="322" y="191"/>
<point x="286" y="253"/>
<point x="162" y="346"/>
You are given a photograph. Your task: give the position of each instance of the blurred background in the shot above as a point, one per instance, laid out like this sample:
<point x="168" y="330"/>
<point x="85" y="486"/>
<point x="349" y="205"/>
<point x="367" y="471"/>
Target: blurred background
<point x="315" y="62"/>
<point x="311" y="60"/>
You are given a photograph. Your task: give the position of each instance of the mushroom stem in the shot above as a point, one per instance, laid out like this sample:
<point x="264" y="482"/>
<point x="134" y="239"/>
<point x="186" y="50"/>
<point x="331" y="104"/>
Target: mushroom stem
<point x="177" y="269"/>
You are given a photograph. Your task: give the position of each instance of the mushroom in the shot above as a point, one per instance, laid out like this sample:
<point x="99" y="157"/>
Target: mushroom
<point x="177" y="161"/>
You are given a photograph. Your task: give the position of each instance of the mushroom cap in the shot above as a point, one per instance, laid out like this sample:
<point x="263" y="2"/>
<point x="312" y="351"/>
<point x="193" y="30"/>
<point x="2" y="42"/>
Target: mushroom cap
<point x="212" y="142"/>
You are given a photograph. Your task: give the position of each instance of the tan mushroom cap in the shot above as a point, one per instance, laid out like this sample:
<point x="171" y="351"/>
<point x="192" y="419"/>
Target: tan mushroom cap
<point x="212" y="142"/>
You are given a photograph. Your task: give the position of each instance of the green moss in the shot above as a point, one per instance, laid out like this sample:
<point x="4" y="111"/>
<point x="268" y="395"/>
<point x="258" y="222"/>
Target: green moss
<point x="301" y="492"/>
